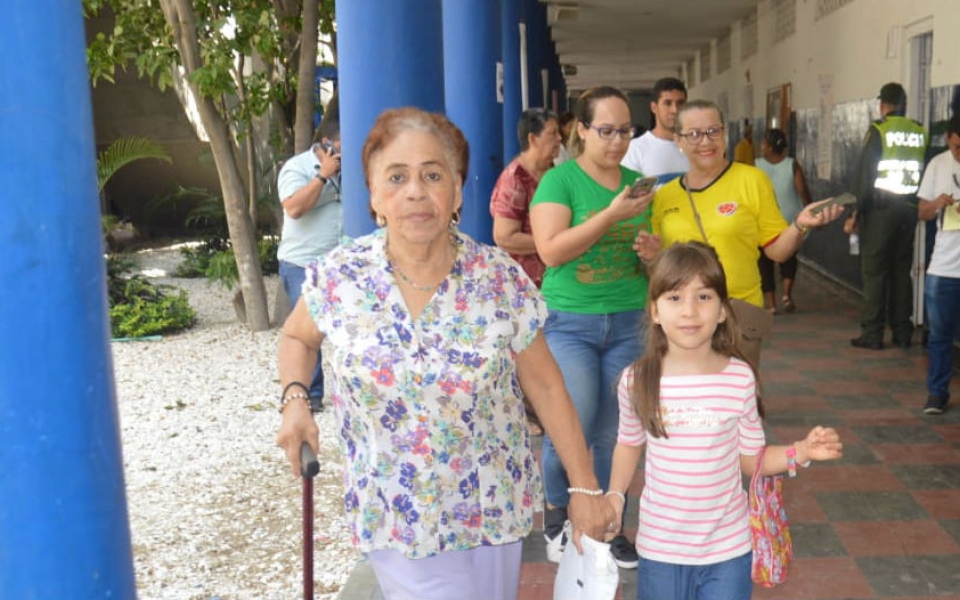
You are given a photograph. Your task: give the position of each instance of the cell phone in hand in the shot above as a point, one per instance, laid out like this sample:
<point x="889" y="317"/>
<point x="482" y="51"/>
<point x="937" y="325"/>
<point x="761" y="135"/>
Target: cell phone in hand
<point x="841" y="200"/>
<point x="643" y="185"/>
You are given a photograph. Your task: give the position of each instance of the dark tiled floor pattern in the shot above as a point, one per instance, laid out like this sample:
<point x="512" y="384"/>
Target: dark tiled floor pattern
<point x="883" y="522"/>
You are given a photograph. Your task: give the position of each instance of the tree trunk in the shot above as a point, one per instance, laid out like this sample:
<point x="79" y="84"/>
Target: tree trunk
<point x="303" y="125"/>
<point x="181" y="18"/>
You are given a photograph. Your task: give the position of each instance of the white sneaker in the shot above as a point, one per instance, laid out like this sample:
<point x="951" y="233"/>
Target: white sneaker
<point x="556" y="544"/>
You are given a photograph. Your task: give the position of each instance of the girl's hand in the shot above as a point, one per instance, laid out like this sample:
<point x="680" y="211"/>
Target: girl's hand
<point x="616" y="504"/>
<point x="822" y="443"/>
<point x="624" y="207"/>
<point x="646" y="245"/>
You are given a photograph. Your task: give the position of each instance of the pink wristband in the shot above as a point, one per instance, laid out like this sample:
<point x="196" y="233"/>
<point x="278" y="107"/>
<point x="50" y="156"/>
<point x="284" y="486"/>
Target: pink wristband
<point x="792" y="460"/>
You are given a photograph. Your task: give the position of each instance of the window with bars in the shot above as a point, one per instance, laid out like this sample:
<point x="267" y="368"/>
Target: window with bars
<point x="705" y="73"/>
<point x="826" y="7"/>
<point x="723" y="54"/>
<point x="785" y="12"/>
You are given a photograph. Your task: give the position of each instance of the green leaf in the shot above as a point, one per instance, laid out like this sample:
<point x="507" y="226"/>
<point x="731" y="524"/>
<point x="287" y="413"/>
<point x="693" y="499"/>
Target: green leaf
<point x="125" y="151"/>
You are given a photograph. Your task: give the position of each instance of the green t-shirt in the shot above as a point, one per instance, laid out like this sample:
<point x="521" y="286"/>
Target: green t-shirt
<point x="609" y="277"/>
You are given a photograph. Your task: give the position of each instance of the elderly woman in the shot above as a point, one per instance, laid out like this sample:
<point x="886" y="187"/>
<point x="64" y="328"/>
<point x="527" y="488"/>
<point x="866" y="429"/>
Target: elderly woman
<point x="585" y="218"/>
<point x="434" y="339"/>
<point x="539" y="134"/>
<point x="730" y="206"/>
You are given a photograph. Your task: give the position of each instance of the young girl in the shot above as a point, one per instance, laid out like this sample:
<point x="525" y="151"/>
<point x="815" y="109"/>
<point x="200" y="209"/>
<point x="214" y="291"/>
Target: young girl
<point x="693" y="399"/>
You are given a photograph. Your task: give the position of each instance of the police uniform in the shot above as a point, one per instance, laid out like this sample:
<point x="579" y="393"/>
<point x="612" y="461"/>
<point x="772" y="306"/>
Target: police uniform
<point x="886" y="187"/>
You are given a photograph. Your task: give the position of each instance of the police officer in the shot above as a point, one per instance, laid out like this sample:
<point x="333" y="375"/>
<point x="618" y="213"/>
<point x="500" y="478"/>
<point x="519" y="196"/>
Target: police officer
<point x="886" y="184"/>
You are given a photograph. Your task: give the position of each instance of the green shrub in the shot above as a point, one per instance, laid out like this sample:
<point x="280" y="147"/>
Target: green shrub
<point x="198" y="261"/>
<point x="194" y="261"/>
<point x="139" y="308"/>
<point x="221" y="266"/>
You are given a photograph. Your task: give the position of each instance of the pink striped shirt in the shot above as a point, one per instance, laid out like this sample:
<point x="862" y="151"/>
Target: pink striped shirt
<point x="693" y="509"/>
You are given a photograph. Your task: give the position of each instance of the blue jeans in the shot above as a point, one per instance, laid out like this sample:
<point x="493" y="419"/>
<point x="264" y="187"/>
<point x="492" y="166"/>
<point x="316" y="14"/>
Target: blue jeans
<point x="293" y="277"/>
<point x="592" y="351"/>
<point x="727" y="580"/>
<point x="942" y="298"/>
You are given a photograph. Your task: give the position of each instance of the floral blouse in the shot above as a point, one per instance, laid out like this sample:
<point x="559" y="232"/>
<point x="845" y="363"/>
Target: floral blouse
<point x="431" y="416"/>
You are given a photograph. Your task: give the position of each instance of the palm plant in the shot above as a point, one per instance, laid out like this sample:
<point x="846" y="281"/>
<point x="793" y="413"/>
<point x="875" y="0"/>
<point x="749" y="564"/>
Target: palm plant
<point x="124" y="151"/>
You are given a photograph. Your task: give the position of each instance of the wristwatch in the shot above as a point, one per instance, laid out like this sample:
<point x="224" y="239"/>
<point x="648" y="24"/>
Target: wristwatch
<point x="322" y="179"/>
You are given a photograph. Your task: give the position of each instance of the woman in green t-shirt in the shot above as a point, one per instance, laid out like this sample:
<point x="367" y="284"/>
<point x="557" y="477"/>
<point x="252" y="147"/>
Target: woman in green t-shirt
<point x="584" y="221"/>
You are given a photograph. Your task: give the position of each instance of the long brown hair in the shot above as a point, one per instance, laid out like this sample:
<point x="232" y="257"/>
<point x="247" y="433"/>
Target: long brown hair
<point x="671" y="270"/>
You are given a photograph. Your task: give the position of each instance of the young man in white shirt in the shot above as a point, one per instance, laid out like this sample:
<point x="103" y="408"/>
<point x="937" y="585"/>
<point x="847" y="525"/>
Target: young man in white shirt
<point x="655" y="153"/>
<point x="939" y="198"/>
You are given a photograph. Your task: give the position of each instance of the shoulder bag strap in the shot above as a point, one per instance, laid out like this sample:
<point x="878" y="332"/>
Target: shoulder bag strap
<point x="696" y="213"/>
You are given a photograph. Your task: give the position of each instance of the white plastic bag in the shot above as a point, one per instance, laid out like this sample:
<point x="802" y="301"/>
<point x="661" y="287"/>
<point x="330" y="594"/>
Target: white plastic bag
<point x="592" y="575"/>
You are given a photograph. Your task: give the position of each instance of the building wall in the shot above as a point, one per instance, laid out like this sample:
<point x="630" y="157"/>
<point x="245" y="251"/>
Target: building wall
<point x="834" y="63"/>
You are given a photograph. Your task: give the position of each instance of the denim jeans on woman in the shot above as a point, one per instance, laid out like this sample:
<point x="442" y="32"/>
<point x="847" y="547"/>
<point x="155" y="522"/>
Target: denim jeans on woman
<point x="727" y="580"/>
<point x="592" y="351"/>
<point x="942" y="299"/>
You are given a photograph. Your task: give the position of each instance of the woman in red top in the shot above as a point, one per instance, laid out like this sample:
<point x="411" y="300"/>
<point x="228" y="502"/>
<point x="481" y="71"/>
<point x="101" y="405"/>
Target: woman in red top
<point x="539" y="133"/>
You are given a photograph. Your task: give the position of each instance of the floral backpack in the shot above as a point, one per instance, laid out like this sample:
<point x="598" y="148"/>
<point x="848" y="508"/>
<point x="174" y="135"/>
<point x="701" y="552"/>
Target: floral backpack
<point x="769" y="528"/>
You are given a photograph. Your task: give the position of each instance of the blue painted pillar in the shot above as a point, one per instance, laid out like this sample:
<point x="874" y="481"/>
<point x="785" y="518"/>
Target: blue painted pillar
<point x="551" y="64"/>
<point x="510" y="43"/>
<point x="63" y="510"/>
<point x="389" y="54"/>
<point x="535" y="17"/>
<point x="471" y="50"/>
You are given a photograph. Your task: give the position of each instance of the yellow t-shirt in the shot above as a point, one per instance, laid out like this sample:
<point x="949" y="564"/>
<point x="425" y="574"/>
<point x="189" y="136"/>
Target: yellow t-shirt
<point x="739" y="213"/>
<point x="743" y="152"/>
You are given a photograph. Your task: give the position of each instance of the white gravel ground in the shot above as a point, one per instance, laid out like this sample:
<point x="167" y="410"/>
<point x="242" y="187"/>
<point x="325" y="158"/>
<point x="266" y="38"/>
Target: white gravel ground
<point x="215" y="512"/>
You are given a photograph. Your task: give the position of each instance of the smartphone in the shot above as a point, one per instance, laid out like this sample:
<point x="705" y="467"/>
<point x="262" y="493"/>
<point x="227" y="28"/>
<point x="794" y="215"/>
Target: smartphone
<point x="642" y="185"/>
<point x="841" y="200"/>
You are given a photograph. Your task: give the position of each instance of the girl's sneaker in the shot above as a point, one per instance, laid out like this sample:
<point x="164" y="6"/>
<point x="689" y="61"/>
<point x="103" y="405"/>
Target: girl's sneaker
<point x="624" y="552"/>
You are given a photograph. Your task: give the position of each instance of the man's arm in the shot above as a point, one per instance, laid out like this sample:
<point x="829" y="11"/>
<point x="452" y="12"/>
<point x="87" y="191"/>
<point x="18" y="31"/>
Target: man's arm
<point x="308" y="188"/>
<point x="866" y="174"/>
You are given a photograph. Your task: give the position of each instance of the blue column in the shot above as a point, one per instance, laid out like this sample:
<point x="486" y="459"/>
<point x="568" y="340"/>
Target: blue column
<point x="63" y="511"/>
<point x="535" y="16"/>
<point x="389" y="54"/>
<point x="471" y="49"/>
<point x="510" y="43"/>
<point x="552" y="65"/>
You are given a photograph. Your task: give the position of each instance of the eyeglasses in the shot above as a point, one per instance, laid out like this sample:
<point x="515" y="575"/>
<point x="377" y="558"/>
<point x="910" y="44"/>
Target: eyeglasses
<point x="608" y="133"/>
<point x="695" y="135"/>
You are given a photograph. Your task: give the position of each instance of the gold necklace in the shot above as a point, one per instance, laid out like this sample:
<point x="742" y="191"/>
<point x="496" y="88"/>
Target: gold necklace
<point x="403" y="276"/>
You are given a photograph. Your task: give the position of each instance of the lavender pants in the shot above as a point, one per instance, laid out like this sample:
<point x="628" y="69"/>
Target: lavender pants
<point x="482" y="573"/>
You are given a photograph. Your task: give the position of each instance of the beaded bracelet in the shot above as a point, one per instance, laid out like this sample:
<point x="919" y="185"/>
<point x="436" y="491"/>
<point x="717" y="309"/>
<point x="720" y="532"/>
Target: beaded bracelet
<point x="584" y="491"/>
<point x="621" y="495"/>
<point x="294" y="384"/>
<point x="792" y="460"/>
<point x="295" y="396"/>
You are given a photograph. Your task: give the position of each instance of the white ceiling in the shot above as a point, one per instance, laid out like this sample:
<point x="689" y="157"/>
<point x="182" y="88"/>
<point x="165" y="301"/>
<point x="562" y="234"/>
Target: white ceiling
<point x="631" y="43"/>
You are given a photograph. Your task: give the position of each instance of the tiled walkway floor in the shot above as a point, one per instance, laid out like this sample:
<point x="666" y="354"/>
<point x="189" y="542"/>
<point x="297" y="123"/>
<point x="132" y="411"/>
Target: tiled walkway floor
<point x="883" y="522"/>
